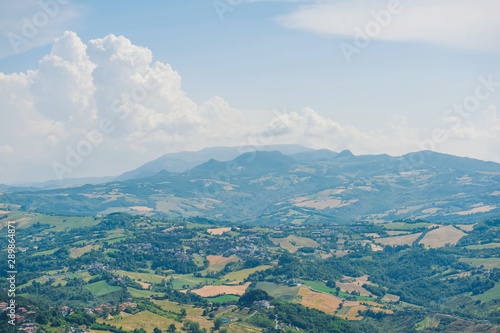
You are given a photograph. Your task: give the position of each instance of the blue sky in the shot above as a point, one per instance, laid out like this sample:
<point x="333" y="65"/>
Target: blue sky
<point x="267" y="55"/>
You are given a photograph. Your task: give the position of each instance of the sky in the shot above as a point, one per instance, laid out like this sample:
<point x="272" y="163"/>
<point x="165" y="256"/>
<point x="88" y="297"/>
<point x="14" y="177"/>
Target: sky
<point x="97" y="88"/>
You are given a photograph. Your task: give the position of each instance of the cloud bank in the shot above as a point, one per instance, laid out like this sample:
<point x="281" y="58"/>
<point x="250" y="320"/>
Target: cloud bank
<point x="461" y="24"/>
<point x="105" y="107"/>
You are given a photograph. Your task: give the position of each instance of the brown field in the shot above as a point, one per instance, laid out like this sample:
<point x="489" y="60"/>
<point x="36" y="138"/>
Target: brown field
<point x="324" y="203"/>
<point x="145" y="320"/>
<point x="215" y="260"/>
<point x="441" y="236"/>
<point x="142" y="208"/>
<point x="144" y="285"/>
<point x="299" y="242"/>
<point x="320" y="301"/>
<point x="466" y="227"/>
<point x="397" y="233"/>
<point x="390" y="298"/>
<point x="398" y="240"/>
<point x="218" y="231"/>
<point x="213" y="291"/>
<point x="356" y="284"/>
<point x="482" y="209"/>
<point x="375" y="247"/>
<point x="76" y="252"/>
<point x="374" y="235"/>
<point x="3" y="212"/>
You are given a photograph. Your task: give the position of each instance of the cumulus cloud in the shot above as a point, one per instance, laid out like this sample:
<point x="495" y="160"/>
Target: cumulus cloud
<point x="453" y="23"/>
<point x="104" y="107"/>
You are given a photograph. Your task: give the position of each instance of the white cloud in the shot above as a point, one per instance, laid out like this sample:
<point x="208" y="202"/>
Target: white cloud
<point x="27" y="24"/>
<point x="49" y="113"/>
<point x="453" y="23"/>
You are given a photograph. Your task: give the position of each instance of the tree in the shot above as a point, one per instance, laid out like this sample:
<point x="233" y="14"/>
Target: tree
<point x="218" y="323"/>
<point x="171" y="328"/>
<point x="157" y="330"/>
<point x="183" y="313"/>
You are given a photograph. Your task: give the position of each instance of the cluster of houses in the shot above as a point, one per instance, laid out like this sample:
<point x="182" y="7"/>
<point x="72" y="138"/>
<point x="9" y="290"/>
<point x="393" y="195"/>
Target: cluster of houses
<point x="101" y="309"/>
<point x="23" y="317"/>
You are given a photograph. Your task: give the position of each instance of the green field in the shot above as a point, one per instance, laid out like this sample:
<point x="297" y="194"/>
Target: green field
<point x="343" y="311"/>
<point x="489" y="295"/>
<point x="44" y="253"/>
<point x="278" y="291"/>
<point x="61" y="223"/>
<point x="141" y="293"/>
<point x="101" y="288"/>
<point x="486" y="262"/>
<point x="244" y="273"/>
<point x="222" y="299"/>
<point x="143" y="277"/>
<point x="190" y="281"/>
<point x="483" y="246"/>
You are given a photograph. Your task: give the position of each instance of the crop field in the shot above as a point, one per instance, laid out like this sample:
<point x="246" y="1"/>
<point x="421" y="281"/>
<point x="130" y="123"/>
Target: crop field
<point x="144" y="277"/>
<point x="466" y="227"/>
<point x="145" y="320"/>
<point x="189" y="281"/>
<point x="244" y="273"/>
<point x="218" y="263"/>
<point x="293" y="243"/>
<point x="223" y="298"/>
<point x="483" y="246"/>
<point x="356" y="285"/>
<point x="441" y="236"/>
<point x="76" y="252"/>
<point x="193" y="314"/>
<point x="101" y="288"/>
<point x="488" y="263"/>
<point x="398" y="240"/>
<point x="141" y="293"/>
<point x="320" y="301"/>
<point x="240" y="327"/>
<point x="402" y="226"/>
<point x="279" y="291"/>
<point x="212" y="291"/>
<point x="44" y="253"/>
<point x="489" y="295"/>
<point x="218" y="231"/>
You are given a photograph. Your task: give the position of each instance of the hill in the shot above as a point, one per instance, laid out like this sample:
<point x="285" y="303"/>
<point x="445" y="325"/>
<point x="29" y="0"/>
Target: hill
<point x="269" y="187"/>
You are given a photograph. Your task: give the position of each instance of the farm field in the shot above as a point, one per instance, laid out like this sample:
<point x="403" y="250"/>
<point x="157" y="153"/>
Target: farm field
<point x="145" y="320"/>
<point x="355" y="285"/>
<point x="483" y="246"/>
<point x="441" y="236"/>
<point x="398" y="240"/>
<point x="223" y="298"/>
<point x="402" y="226"/>
<point x="144" y="277"/>
<point x="101" y="288"/>
<point x="76" y="252"/>
<point x="320" y="301"/>
<point x="489" y="295"/>
<point x="488" y="263"/>
<point x="279" y="291"/>
<point x="218" y="231"/>
<point x="293" y="243"/>
<point x="212" y="291"/>
<point x="241" y="275"/>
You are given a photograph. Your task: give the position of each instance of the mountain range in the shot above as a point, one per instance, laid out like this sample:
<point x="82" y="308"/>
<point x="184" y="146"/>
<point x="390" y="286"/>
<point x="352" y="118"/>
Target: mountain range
<point x="287" y="184"/>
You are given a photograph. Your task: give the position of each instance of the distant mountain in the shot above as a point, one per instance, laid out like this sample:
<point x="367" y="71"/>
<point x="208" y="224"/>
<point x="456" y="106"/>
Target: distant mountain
<point x="50" y="184"/>
<point x="183" y="161"/>
<point x="271" y="187"/>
